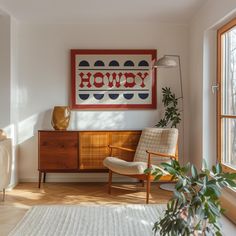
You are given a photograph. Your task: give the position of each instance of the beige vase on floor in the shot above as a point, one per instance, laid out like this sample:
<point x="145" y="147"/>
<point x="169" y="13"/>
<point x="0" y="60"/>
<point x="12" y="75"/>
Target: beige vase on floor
<point x="60" y="117"/>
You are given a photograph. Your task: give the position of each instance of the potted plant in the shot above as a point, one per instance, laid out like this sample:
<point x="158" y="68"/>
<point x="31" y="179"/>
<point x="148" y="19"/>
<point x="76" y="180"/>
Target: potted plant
<point x="172" y="114"/>
<point x="195" y="207"/>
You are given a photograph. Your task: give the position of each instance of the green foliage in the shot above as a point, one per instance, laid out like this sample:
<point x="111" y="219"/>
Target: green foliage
<point x="172" y="115"/>
<point x="195" y="207"/>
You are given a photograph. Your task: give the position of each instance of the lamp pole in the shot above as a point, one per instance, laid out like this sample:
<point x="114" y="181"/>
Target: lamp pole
<point x="166" y="62"/>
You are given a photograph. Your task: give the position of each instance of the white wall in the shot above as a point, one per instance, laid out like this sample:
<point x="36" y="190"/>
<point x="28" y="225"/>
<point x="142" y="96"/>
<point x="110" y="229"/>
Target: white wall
<point x="5" y="65"/>
<point x="14" y="101"/>
<point x="44" y="79"/>
<point x="8" y="85"/>
<point x="202" y="103"/>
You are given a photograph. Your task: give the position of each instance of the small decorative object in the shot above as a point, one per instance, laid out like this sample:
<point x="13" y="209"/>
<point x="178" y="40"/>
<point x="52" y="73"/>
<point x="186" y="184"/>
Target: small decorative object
<point x="60" y="117"/>
<point x="3" y="135"/>
<point x="195" y="207"/>
<point x="172" y="114"/>
<point x="113" y="79"/>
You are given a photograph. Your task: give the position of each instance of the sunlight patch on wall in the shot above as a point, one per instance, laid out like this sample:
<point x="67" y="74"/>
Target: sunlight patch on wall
<point x="10" y="131"/>
<point x="97" y="120"/>
<point x="26" y="128"/>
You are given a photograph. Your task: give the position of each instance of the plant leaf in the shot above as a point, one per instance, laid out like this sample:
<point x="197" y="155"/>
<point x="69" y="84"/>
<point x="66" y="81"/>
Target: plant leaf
<point x="148" y="170"/>
<point x="194" y="172"/>
<point x="218" y="168"/>
<point x="231" y="183"/>
<point x="157" y="177"/>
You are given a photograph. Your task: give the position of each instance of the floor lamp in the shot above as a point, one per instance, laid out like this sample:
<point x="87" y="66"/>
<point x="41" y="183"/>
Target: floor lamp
<point x="168" y="61"/>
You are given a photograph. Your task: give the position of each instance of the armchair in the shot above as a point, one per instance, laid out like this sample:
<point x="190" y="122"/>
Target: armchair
<point x="155" y="146"/>
<point x="5" y="164"/>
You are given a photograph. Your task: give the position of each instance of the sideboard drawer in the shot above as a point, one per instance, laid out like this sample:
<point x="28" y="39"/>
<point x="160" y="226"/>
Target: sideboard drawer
<point x="58" y="150"/>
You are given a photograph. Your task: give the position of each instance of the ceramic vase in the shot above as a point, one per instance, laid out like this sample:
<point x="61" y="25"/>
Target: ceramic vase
<point x="60" y="117"/>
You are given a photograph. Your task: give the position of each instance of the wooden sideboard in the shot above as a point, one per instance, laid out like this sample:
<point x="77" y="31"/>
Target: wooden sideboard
<point x="81" y="151"/>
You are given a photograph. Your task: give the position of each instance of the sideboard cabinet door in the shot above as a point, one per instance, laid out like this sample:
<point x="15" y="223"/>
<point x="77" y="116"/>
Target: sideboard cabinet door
<point x="93" y="148"/>
<point x="127" y="139"/>
<point x="58" y="150"/>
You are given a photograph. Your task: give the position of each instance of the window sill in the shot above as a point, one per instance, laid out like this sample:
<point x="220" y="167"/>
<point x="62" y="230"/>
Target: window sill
<point x="228" y="202"/>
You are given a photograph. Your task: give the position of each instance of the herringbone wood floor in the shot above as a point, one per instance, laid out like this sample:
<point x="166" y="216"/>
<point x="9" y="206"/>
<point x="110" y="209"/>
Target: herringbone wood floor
<point x="25" y="195"/>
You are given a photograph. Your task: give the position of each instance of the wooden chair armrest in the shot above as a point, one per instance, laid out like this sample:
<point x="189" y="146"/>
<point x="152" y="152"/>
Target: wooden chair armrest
<point x="161" y="154"/>
<point x="122" y="148"/>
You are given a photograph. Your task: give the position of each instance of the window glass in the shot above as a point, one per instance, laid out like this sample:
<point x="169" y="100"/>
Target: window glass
<point x="229" y="142"/>
<point x="229" y="72"/>
<point x="226" y="98"/>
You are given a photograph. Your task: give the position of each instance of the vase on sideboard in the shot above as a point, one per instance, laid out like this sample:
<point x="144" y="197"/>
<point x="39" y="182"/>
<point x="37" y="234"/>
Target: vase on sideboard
<point x="60" y="117"/>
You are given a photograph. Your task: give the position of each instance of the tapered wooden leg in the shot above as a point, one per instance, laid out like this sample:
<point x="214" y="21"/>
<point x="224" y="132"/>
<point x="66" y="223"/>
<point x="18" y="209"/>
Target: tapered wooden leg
<point x="40" y="178"/>
<point x="3" y="194"/>
<point x="109" y="182"/>
<point x="44" y="177"/>
<point x="148" y="189"/>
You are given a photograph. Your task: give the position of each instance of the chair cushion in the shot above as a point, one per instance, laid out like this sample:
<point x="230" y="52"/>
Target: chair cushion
<point x="124" y="167"/>
<point x="163" y="140"/>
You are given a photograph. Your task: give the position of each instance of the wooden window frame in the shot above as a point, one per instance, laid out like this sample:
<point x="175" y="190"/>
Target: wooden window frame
<point x="220" y="117"/>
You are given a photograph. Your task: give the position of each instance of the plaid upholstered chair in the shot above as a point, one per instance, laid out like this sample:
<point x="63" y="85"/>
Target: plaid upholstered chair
<point x="155" y="146"/>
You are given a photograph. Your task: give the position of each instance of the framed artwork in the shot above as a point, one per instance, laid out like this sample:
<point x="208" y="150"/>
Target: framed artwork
<point x="113" y="79"/>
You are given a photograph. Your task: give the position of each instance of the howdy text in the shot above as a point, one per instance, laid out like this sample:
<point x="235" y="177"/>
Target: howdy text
<point x="115" y="79"/>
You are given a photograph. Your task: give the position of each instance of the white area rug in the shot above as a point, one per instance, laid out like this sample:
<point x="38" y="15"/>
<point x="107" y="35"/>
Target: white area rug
<point x="66" y="220"/>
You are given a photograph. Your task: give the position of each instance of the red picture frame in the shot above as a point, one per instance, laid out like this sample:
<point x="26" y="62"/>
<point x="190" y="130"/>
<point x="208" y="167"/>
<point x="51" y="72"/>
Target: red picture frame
<point x="113" y="79"/>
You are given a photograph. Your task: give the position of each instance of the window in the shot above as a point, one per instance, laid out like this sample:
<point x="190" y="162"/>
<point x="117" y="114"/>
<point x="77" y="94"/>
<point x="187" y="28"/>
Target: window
<point x="226" y="110"/>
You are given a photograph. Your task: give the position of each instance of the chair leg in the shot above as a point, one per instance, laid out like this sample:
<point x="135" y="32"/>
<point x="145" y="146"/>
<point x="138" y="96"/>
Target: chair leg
<point x="109" y="182"/>
<point x="44" y="177"/>
<point x="40" y="178"/>
<point x="148" y="189"/>
<point x="3" y="194"/>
